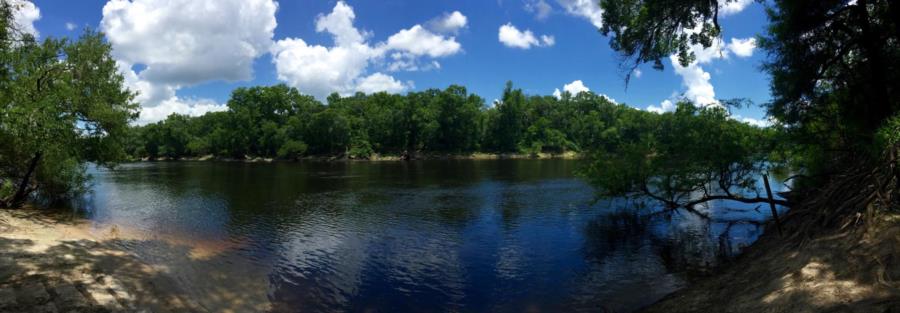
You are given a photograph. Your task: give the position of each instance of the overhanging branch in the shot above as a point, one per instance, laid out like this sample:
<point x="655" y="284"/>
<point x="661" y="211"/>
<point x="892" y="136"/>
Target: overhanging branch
<point x="735" y="198"/>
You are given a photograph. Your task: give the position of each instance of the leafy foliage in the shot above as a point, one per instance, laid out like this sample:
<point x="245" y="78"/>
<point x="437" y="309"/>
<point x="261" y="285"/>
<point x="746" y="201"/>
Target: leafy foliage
<point x="63" y="104"/>
<point x="833" y="63"/>
<point x="834" y="75"/>
<point x="651" y="30"/>
<point x="889" y="134"/>
<point x="681" y="158"/>
<point x="279" y="122"/>
<point x="834" y="68"/>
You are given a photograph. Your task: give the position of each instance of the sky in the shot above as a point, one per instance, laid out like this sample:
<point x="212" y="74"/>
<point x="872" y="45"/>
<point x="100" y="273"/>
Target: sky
<point x="186" y="56"/>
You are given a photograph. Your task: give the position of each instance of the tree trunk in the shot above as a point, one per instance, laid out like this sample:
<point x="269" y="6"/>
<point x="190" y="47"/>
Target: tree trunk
<point x="411" y="144"/>
<point x="22" y="194"/>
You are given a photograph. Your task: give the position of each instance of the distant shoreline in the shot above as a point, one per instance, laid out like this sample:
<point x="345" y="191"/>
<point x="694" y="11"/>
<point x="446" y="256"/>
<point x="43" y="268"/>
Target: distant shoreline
<point x="380" y="158"/>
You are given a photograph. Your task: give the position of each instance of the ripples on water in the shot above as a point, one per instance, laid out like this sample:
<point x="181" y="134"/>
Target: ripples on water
<point x="431" y="236"/>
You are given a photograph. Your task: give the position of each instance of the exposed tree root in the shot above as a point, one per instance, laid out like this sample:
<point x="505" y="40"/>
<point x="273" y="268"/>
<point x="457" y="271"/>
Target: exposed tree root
<point x="850" y="199"/>
<point x="840" y="253"/>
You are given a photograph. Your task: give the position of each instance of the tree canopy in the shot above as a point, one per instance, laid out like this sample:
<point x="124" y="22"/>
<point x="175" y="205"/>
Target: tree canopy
<point x="833" y="65"/>
<point x="682" y="158"/>
<point x="279" y="122"/>
<point x="63" y="103"/>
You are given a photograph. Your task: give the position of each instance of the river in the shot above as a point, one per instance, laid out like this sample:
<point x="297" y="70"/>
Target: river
<point x="423" y="236"/>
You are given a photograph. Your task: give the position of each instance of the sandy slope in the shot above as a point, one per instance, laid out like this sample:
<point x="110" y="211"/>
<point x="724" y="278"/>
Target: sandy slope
<point x="836" y="271"/>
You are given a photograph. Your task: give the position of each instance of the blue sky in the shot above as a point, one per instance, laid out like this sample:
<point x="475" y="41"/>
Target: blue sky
<point x="187" y="55"/>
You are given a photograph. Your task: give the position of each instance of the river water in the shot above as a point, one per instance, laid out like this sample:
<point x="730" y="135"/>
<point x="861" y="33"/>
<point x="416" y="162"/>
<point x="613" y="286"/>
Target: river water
<point x="424" y="236"/>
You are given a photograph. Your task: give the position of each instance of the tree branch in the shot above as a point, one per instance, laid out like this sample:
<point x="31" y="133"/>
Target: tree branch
<point x="734" y="198"/>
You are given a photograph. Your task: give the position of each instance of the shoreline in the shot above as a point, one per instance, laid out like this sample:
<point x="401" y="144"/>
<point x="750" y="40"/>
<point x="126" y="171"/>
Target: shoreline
<point x="380" y="158"/>
<point x="855" y="270"/>
<point x="50" y="259"/>
<point x="54" y="262"/>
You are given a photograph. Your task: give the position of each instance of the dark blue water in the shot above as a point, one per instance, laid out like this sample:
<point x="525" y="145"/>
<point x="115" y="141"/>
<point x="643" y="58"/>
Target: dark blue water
<point x="427" y="236"/>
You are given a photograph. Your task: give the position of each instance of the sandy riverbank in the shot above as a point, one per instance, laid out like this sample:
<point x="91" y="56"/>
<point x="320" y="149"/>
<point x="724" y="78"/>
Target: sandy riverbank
<point x="856" y="269"/>
<point x="53" y="263"/>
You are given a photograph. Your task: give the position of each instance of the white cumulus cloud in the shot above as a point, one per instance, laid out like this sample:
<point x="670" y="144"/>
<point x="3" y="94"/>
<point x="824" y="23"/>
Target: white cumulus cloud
<point x="344" y="67"/>
<point x="752" y="121"/>
<point x="192" y="107"/>
<point x="512" y="37"/>
<point x="696" y="80"/>
<point x="179" y="43"/>
<point x="587" y="9"/>
<point x="24" y="15"/>
<point x="318" y="70"/>
<point x="730" y="7"/>
<point x="71" y="26"/>
<point x="576" y="87"/>
<point x="186" y="42"/>
<point x="742" y="47"/>
<point x="573" y="88"/>
<point x="339" y="23"/>
<point x="419" y="41"/>
<point x="449" y="22"/>
<point x="540" y="8"/>
<point x="380" y="82"/>
<point x="666" y="106"/>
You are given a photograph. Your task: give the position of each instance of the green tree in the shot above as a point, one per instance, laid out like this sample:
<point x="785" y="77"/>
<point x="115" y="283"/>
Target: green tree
<point x="683" y="158"/>
<point x="414" y="121"/>
<point x="651" y="30"/>
<point x="257" y="114"/>
<point x="834" y="76"/>
<point x="542" y="137"/>
<point x="63" y="104"/>
<point x="456" y="117"/>
<point x="328" y="133"/>
<point x="508" y="124"/>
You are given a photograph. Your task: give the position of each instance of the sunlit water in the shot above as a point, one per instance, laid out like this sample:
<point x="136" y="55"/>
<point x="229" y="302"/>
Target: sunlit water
<point x="427" y="236"/>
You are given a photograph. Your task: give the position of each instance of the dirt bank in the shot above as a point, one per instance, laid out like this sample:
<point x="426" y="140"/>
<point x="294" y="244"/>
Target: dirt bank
<point x="854" y="269"/>
<point x="50" y="263"/>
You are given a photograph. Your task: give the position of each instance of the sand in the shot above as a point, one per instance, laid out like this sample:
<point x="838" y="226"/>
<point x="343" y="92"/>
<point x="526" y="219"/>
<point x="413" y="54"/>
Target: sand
<point x="51" y="263"/>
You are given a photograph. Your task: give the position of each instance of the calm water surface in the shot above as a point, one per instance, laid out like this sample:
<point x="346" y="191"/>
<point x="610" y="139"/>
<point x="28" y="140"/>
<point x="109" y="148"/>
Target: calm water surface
<point x="425" y="236"/>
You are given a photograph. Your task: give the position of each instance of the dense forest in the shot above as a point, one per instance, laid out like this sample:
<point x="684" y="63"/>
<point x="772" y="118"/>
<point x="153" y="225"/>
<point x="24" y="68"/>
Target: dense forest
<point x="279" y="122"/>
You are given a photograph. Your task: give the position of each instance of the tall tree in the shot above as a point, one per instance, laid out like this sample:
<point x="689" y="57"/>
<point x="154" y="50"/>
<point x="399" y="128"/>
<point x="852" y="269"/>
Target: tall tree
<point x="456" y="115"/>
<point x="63" y="103"/>
<point x="834" y="68"/>
<point x="834" y="62"/>
<point x="651" y="30"/>
<point x="682" y="158"/>
<point x="509" y="124"/>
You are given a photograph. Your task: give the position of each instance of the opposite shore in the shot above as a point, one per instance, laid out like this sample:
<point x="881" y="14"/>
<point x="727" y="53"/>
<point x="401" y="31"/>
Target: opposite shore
<point x="383" y="157"/>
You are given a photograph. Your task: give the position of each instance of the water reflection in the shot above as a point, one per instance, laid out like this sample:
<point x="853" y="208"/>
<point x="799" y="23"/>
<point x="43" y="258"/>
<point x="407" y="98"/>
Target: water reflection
<point x="509" y="235"/>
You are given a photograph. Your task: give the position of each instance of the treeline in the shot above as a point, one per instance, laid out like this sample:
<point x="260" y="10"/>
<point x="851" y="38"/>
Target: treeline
<point x="279" y="122"/>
